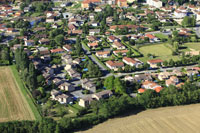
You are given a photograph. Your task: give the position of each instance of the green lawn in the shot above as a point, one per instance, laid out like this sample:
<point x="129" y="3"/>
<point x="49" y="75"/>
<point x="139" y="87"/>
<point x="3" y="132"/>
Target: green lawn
<point x="195" y="46"/>
<point x="159" y="50"/>
<point x="161" y="36"/>
<point x="26" y="93"/>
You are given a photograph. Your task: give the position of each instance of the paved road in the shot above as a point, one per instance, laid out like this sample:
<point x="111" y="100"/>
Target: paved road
<point x="89" y="54"/>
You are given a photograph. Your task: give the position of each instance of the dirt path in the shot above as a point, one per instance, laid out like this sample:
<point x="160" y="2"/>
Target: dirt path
<point x="168" y="119"/>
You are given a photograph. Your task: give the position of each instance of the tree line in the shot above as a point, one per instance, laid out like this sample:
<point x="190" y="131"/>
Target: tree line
<point x="109" y="108"/>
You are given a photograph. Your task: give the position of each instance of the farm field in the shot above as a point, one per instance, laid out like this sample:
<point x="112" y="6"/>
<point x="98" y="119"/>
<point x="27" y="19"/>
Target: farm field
<point x="13" y="104"/>
<point x="159" y="50"/>
<point x="167" y="119"/>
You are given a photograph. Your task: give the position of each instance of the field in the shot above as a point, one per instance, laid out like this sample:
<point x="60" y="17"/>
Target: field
<point x="195" y="46"/>
<point x="168" y="119"/>
<point x="159" y="50"/>
<point x="13" y="104"/>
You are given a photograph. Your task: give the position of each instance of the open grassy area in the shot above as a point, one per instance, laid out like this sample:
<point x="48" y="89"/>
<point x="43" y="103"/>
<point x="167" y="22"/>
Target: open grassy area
<point x="195" y="46"/>
<point x="167" y="119"/>
<point x="161" y="36"/>
<point x="26" y="93"/>
<point x="159" y="50"/>
<point x="13" y="102"/>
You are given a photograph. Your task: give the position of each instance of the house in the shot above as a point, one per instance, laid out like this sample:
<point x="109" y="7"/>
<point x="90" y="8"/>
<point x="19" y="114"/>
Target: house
<point x="44" y="41"/>
<point x="88" y="85"/>
<point x="155" y="3"/>
<point x="114" y="65"/>
<point x="152" y="38"/>
<point x="72" y="73"/>
<point x="10" y="30"/>
<point x="109" y="20"/>
<point x="55" y="93"/>
<point x="122" y="52"/>
<point x="29" y="42"/>
<point x="141" y="90"/>
<point x="180" y="12"/>
<point x="103" y="54"/>
<point x="49" y="14"/>
<point x="191" y="72"/>
<point x="142" y="77"/>
<point x="27" y="9"/>
<point x="57" y="51"/>
<point x="98" y="9"/>
<point x="75" y="32"/>
<point x="164" y="75"/>
<point x="66" y="86"/>
<point x="92" y="32"/>
<point x="122" y="3"/>
<point x="153" y="63"/>
<point x="85" y="101"/>
<point x="102" y="95"/>
<point x="64" y="99"/>
<point x="67" y="47"/>
<point x="172" y="81"/>
<point x="66" y="58"/>
<point x="113" y="39"/>
<point x="71" y="27"/>
<point x="151" y="85"/>
<point x="132" y="62"/>
<point x="57" y="81"/>
<point x="118" y="45"/>
<point x="91" y="16"/>
<point x="91" y="38"/>
<point x="50" y="19"/>
<point x="93" y="45"/>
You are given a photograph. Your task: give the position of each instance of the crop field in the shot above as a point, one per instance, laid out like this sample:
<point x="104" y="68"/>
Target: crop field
<point x="159" y="50"/>
<point x="13" y="104"/>
<point x="167" y="119"/>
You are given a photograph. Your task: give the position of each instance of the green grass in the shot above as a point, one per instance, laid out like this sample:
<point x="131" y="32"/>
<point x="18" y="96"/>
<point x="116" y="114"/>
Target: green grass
<point x="195" y="46"/>
<point x="159" y="50"/>
<point x="26" y="93"/>
<point x="161" y="36"/>
<point x="36" y="14"/>
<point x="77" y="5"/>
<point x="136" y="53"/>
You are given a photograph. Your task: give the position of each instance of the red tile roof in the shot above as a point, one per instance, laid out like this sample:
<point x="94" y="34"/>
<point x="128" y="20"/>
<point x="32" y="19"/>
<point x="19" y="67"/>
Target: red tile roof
<point x="155" y="61"/>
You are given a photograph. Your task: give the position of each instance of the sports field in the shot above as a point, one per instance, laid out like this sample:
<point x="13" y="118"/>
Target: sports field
<point x="182" y="119"/>
<point x="13" y="104"/>
<point x="159" y="50"/>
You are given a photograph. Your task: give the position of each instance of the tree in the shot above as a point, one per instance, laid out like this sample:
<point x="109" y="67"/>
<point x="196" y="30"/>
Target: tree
<point x="119" y="87"/>
<point x="165" y="63"/>
<point x="189" y="21"/>
<point x="109" y="83"/>
<point x="59" y="39"/>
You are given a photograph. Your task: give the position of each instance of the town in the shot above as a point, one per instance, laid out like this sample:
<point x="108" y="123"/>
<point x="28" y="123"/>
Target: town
<point x="72" y="55"/>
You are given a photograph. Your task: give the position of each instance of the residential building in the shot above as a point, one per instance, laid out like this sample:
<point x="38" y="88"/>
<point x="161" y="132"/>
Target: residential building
<point x="88" y="85"/>
<point x="103" y="54"/>
<point x="153" y="63"/>
<point x="102" y="95"/>
<point x="114" y="65"/>
<point x="118" y="45"/>
<point x="132" y="62"/>
<point x="122" y="52"/>
<point x="66" y="86"/>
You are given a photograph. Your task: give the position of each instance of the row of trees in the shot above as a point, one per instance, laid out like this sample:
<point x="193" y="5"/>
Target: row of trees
<point x="5" y="55"/>
<point x="26" y="69"/>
